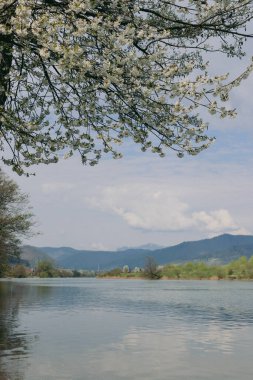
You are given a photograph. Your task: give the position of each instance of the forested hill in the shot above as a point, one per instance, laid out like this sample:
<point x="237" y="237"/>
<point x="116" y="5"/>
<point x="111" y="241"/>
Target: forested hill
<point x="220" y="249"/>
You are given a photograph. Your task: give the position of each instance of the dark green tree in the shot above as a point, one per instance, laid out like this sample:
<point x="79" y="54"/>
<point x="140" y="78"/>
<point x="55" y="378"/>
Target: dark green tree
<point x="151" y="269"/>
<point x="16" y="220"/>
<point x="46" y="268"/>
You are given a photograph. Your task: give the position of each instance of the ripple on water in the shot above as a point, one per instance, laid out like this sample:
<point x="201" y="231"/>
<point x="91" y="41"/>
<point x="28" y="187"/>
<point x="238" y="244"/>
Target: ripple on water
<point x="111" y="330"/>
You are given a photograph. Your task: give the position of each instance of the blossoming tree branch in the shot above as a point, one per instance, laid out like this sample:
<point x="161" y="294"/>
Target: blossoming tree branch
<point x="84" y="75"/>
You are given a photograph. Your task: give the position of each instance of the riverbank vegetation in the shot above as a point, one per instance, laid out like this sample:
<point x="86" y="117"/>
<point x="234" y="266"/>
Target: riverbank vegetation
<point x="45" y="269"/>
<point x="240" y="269"/>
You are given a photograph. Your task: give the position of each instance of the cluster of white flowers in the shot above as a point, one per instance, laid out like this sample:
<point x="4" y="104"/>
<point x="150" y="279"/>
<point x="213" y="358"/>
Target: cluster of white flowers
<point x="86" y="74"/>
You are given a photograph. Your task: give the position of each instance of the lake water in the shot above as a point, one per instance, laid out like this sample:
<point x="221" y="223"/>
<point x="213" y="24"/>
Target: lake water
<point x="94" y="329"/>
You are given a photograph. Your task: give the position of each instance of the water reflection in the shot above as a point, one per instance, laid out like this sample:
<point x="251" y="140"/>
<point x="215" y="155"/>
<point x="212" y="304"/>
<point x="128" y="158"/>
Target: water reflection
<point x="166" y="354"/>
<point x="113" y="330"/>
<point x="15" y="340"/>
<point x="214" y="338"/>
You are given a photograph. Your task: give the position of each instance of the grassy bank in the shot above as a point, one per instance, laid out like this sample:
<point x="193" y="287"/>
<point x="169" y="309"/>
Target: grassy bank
<point x="241" y="269"/>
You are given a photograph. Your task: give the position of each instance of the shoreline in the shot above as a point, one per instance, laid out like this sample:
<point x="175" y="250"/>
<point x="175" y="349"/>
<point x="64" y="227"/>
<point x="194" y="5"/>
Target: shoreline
<point x="173" y="279"/>
<point x="127" y="278"/>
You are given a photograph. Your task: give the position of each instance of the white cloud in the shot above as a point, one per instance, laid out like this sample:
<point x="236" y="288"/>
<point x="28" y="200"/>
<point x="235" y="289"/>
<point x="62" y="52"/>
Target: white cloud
<point x="218" y="220"/>
<point x="154" y="207"/>
<point x="241" y="231"/>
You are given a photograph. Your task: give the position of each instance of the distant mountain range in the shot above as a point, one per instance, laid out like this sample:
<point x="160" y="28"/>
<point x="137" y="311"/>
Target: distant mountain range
<point x="220" y="249"/>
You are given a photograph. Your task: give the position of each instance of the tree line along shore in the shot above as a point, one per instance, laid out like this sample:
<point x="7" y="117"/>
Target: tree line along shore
<point x="240" y="269"/>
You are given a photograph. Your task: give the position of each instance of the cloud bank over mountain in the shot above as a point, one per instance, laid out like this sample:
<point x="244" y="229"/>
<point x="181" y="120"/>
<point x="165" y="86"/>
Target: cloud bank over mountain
<point x="155" y="207"/>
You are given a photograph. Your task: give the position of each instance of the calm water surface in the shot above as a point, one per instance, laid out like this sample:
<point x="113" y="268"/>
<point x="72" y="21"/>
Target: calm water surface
<point x="90" y="329"/>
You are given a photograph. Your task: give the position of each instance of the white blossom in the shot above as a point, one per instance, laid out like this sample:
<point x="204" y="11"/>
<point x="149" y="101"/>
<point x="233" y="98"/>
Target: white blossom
<point x="86" y="74"/>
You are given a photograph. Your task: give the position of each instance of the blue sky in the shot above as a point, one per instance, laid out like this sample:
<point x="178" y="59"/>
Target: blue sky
<point x="143" y="198"/>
